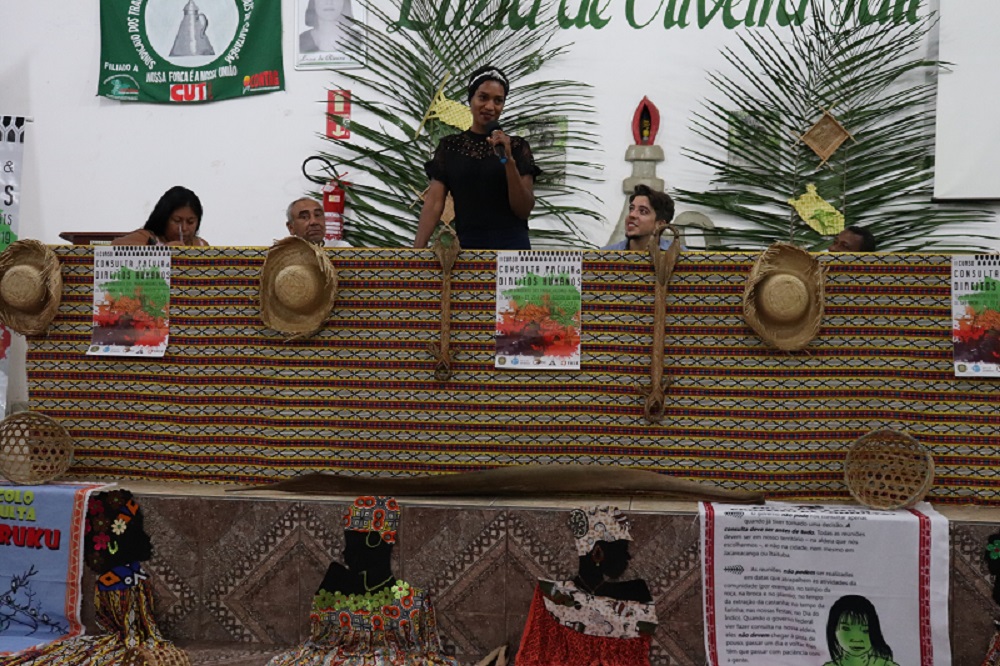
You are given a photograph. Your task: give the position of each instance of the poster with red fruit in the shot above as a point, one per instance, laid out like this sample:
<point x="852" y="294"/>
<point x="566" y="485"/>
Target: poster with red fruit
<point x="131" y="301"/>
<point x="975" y="313"/>
<point x="538" y="309"/>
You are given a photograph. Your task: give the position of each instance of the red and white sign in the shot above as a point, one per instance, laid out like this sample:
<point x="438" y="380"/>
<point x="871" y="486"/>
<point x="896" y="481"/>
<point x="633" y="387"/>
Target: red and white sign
<point x="338" y="103"/>
<point x="190" y="92"/>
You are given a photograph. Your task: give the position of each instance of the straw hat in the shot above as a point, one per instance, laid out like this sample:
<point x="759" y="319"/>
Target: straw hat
<point x="298" y="286"/>
<point x="783" y="299"/>
<point x="30" y="287"/>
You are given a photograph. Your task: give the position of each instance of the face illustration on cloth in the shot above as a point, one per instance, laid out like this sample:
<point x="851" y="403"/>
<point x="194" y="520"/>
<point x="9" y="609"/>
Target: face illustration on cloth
<point x="114" y="532"/>
<point x="853" y="637"/>
<point x="616" y="558"/>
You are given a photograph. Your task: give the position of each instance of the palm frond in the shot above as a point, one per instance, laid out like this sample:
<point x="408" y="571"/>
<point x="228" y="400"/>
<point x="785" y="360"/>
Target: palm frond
<point x="872" y="78"/>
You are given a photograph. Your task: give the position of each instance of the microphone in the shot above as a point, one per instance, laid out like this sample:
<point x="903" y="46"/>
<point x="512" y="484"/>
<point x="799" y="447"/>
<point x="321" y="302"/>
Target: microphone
<point x="491" y="127"/>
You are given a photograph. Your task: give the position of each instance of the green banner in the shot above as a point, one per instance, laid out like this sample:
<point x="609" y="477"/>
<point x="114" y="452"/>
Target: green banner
<point x="189" y="50"/>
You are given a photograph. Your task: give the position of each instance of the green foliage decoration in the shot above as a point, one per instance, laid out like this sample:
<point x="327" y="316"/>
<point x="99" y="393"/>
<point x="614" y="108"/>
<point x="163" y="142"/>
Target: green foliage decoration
<point x="405" y="68"/>
<point x="873" y="80"/>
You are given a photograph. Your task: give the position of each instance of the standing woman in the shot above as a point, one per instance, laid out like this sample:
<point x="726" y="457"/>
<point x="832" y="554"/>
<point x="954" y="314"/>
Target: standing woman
<point x="493" y="195"/>
<point x="175" y="220"/>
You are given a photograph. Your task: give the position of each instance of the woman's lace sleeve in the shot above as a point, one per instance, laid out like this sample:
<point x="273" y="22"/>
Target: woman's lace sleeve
<point x="523" y="158"/>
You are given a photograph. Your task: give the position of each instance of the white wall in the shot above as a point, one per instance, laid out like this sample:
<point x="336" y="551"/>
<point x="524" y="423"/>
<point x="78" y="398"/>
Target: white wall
<point x="968" y="134"/>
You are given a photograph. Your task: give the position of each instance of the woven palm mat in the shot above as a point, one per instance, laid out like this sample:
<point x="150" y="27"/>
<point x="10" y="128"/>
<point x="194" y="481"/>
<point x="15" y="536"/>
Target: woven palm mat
<point x="520" y="481"/>
<point x="232" y="401"/>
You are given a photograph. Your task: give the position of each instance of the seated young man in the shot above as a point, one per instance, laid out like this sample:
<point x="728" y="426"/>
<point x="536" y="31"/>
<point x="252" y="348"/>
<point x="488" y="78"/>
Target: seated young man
<point x="854" y="239"/>
<point x="647" y="208"/>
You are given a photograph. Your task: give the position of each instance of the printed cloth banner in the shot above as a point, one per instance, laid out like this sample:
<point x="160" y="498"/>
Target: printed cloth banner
<point x="188" y="51"/>
<point x="538" y="309"/>
<point x="131" y="301"/>
<point x="824" y="585"/>
<point x="12" y="131"/>
<point x="975" y="312"/>
<point x="41" y="559"/>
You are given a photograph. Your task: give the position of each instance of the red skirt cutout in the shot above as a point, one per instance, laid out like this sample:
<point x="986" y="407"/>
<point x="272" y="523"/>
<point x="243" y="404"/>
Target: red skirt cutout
<point x="545" y="642"/>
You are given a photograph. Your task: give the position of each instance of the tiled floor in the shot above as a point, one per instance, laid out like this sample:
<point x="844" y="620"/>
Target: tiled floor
<point x="234" y="574"/>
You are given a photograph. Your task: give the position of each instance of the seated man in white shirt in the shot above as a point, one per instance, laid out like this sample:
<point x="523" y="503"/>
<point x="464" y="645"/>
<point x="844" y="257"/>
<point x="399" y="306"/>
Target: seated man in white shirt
<point x="646" y="209"/>
<point x="306" y="220"/>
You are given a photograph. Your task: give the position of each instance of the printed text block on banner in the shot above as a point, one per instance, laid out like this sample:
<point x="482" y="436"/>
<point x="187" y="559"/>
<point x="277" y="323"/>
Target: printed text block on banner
<point x="776" y="577"/>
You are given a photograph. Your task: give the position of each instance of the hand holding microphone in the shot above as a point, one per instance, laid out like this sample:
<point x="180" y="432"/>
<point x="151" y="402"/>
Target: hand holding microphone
<point x="499" y="145"/>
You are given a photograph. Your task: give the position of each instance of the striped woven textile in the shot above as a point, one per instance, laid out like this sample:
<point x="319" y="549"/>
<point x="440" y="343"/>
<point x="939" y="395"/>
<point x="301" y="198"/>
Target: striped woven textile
<point x="233" y="402"/>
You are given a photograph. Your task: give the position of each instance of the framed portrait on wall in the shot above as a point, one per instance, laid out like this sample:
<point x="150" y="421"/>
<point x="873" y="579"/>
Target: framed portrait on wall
<point x="329" y="35"/>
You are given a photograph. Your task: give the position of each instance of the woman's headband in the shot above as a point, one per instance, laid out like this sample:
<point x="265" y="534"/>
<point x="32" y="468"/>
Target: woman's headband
<point x="492" y="74"/>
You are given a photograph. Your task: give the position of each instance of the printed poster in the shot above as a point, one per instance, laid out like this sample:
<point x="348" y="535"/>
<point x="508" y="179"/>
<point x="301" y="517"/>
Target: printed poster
<point x="788" y="585"/>
<point x="131" y="301"/>
<point x="189" y="51"/>
<point x="41" y="558"/>
<point x="538" y="309"/>
<point x="12" y="131"/>
<point x="975" y="313"/>
<point x="328" y="34"/>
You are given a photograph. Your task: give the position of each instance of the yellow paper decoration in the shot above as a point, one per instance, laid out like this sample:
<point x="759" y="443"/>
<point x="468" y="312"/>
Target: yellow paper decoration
<point x="448" y="111"/>
<point x="817" y="213"/>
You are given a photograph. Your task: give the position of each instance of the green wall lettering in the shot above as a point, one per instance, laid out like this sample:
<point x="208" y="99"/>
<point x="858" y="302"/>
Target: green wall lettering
<point x="589" y="13"/>
<point x="797" y="17"/>
<point x="630" y="15"/>
<point x="671" y="17"/>
<point x="529" y="20"/>
<point x="456" y="14"/>
<point x="579" y="21"/>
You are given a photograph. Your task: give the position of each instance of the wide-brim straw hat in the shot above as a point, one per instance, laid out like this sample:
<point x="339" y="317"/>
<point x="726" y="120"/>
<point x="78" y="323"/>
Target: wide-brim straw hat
<point x="298" y="286"/>
<point x="30" y="287"/>
<point x="783" y="299"/>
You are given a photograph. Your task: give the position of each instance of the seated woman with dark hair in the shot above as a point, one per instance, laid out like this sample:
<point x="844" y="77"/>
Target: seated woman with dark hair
<point x="175" y="220"/>
<point x="115" y="545"/>
<point x="594" y="618"/>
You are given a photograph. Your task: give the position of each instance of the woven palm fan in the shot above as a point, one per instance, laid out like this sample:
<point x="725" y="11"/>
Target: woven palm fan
<point x="33" y="448"/>
<point x="887" y="469"/>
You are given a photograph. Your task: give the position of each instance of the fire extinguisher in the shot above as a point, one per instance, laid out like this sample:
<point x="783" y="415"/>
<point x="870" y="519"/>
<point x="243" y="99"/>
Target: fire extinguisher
<point x="333" y="210"/>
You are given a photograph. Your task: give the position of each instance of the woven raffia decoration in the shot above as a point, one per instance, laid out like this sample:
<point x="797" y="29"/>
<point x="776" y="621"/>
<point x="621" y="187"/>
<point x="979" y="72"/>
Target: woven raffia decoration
<point x="886" y="469"/>
<point x="33" y="448"/>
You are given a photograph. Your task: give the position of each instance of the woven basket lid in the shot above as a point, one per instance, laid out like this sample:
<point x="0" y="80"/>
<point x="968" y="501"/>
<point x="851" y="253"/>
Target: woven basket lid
<point x="783" y="298"/>
<point x="298" y="287"/>
<point x="33" y="448"/>
<point x="887" y="469"/>
<point x="30" y="287"/>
